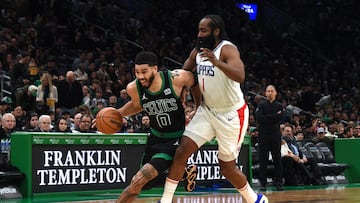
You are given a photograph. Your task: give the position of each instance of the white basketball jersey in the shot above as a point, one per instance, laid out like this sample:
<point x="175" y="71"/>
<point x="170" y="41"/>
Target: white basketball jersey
<point x="218" y="90"/>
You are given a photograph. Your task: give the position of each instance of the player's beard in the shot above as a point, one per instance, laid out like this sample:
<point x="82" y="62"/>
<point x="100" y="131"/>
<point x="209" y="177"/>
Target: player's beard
<point x="206" y="42"/>
<point x="149" y="81"/>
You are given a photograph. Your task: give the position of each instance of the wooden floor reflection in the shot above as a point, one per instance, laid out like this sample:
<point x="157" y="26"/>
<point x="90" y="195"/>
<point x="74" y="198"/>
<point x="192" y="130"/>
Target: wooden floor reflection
<point x="325" y="195"/>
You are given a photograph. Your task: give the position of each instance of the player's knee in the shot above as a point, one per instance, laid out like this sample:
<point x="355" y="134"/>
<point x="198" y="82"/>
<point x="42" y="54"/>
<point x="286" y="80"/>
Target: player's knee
<point x="185" y="149"/>
<point x="181" y="154"/>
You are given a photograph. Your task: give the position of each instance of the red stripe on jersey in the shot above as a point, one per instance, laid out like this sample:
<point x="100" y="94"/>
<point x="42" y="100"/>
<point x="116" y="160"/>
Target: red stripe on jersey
<point x="241" y="115"/>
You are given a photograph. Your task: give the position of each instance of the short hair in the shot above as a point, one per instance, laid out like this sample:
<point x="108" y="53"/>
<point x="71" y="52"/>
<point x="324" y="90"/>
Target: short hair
<point x="85" y="116"/>
<point x="217" y="22"/>
<point x="6" y="115"/>
<point x="146" y="57"/>
<point x="43" y="116"/>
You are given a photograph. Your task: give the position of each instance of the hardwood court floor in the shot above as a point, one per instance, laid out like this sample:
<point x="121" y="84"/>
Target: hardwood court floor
<point x="327" y="194"/>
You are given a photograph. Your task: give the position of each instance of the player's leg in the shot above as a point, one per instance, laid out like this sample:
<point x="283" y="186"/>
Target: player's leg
<point x="231" y="130"/>
<point x="186" y="148"/>
<point x="143" y="176"/>
<point x="183" y="152"/>
<point x="198" y="132"/>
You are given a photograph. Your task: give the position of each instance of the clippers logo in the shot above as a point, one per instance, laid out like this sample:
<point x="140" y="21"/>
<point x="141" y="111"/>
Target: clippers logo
<point x="206" y="70"/>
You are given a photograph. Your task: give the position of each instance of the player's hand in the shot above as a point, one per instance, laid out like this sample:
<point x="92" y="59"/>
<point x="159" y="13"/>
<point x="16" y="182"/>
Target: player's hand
<point x="208" y="55"/>
<point x="185" y="92"/>
<point x="93" y="123"/>
<point x="189" y="116"/>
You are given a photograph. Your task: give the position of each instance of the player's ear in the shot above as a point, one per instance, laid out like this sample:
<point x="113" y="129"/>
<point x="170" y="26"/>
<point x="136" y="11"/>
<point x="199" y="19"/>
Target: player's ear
<point x="217" y="32"/>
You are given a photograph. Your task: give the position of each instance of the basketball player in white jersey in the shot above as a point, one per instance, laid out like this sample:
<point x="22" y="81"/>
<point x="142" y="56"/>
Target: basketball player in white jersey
<point x="223" y="112"/>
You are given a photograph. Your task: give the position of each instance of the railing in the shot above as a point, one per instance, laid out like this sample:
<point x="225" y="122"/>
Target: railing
<point x="106" y="31"/>
<point x="281" y="18"/>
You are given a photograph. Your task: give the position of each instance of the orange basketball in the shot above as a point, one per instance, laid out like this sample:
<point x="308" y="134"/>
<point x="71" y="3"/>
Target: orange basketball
<point x="108" y="120"/>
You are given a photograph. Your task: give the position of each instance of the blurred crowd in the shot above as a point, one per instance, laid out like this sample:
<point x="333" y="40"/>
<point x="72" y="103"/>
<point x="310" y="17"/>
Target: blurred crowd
<point x="69" y="59"/>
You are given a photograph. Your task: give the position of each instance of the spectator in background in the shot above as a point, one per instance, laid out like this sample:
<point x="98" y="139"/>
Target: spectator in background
<point x="102" y="73"/>
<point x="100" y="105"/>
<point x="32" y="122"/>
<point x="27" y="99"/>
<point x="66" y="115"/>
<point x="80" y="60"/>
<point x="294" y="162"/>
<point x="20" y="69"/>
<point x="85" y="123"/>
<point x="269" y="114"/>
<point x="252" y="120"/>
<point x="53" y="117"/>
<point x="61" y="126"/>
<point x="44" y="124"/>
<point x="75" y="126"/>
<point x="98" y="98"/>
<point x="5" y="105"/>
<point x="19" y="115"/>
<point x="254" y="135"/>
<point x="332" y="130"/>
<point x="309" y="131"/>
<point x="52" y="66"/>
<point x="299" y="137"/>
<point x="320" y="137"/>
<point x="81" y="75"/>
<point x="47" y="95"/>
<point x="348" y="133"/>
<point x="70" y="93"/>
<point x="8" y="124"/>
<point x="145" y="125"/>
<point x="112" y="101"/>
<point x="123" y="98"/>
<point x="356" y="130"/>
<point x="340" y="130"/>
<point x="21" y="89"/>
<point x="83" y="109"/>
<point x="95" y="86"/>
<point x="86" y="96"/>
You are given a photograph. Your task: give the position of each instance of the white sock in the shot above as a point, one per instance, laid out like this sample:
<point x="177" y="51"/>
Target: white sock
<point x="169" y="190"/>
<point x="248" y="193"/>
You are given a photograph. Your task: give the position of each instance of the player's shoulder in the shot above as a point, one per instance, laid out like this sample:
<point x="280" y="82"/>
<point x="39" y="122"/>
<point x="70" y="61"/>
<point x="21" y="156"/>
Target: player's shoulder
<point x="227" y="45"/>
<point x="132" y="86"/>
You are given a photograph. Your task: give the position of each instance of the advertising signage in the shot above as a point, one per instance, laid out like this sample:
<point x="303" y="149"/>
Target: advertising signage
<point x="74" y="163"/>
<point x="84" y="167"/>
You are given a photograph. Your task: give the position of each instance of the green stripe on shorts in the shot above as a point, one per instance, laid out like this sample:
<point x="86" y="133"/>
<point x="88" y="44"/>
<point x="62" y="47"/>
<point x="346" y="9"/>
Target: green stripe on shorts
<point x="162" y="156"/>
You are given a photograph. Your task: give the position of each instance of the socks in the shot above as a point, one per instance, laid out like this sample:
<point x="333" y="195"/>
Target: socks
<point x="169" y="190"/>
<point x="248" y="193"/>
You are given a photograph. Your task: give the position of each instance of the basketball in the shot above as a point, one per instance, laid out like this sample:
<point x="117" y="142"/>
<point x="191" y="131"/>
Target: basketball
<point x="108" y="120"/>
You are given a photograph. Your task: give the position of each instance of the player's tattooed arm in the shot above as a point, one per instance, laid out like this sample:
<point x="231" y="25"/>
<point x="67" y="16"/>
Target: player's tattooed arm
<point x="175" y="73"/>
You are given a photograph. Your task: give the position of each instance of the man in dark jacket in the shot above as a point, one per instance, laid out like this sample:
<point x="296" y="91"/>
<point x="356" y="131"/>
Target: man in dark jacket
<point x="269" y="114"/>
<point x="70" y="94"/>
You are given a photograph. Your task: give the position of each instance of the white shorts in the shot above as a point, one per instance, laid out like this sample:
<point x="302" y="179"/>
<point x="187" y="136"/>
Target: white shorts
<point x="229" y="128"/>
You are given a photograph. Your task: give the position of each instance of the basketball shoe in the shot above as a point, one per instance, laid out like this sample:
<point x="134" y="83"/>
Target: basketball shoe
<point x="189" y="177"/>
<point x="261" y="198"/>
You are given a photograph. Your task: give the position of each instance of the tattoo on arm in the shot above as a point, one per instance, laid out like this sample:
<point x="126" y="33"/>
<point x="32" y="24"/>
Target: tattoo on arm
<point x="174" y="74"/>
<point x="148" y="172"/>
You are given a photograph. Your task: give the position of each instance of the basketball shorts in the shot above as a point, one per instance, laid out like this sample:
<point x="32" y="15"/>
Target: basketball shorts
<point x="159" y="152"/>
<point x="228" y="128"/>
